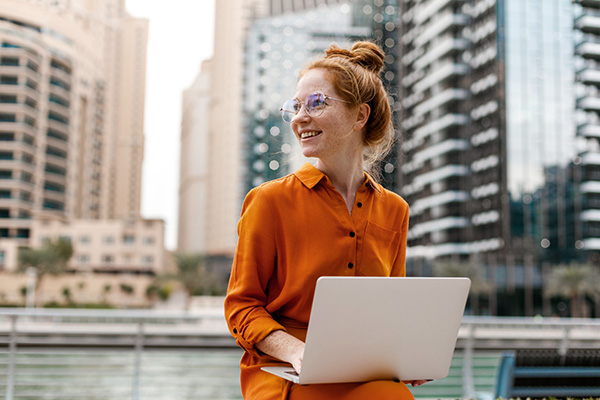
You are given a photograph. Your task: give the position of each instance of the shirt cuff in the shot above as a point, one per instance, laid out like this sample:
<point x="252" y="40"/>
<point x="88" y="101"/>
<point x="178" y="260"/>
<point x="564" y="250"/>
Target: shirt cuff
<point x="255" y="332"/>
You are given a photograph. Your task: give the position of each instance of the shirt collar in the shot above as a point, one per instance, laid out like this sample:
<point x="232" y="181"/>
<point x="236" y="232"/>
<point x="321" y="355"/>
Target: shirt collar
<point x="309" y="175"/>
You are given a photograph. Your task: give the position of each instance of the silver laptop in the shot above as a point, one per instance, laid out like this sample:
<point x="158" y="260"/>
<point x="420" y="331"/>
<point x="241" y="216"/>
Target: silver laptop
<point x="373" y="328"/>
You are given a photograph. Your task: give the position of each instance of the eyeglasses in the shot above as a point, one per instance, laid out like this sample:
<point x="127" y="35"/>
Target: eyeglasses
<point x="314" y="104"/>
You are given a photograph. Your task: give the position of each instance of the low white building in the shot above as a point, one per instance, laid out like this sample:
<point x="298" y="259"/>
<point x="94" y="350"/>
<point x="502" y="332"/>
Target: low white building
<point x="108" y="246"/>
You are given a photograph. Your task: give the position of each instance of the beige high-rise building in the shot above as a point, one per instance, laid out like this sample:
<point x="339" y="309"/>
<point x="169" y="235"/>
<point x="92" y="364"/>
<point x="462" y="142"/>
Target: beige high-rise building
<point x="72" y="88"/>
<point x="194" y="160"/>
<point x="225" y="183"/>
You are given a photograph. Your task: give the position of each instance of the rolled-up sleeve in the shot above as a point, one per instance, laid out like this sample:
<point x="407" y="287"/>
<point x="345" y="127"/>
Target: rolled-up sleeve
<point x="253" y="266"/>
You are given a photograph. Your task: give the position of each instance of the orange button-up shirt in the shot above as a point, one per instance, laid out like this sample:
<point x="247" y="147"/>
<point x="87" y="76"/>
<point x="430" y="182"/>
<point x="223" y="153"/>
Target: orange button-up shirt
<point x="292" y="231"/>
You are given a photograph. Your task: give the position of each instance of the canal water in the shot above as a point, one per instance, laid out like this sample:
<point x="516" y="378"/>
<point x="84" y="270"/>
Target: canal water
<point x="207" y="374"/>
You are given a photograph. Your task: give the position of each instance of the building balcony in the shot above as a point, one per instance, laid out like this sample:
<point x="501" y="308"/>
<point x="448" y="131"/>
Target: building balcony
<point x="19" y="146"/>
<point x="590" y="187"/>
<point x="15" y="203"/>
<point x="440" y="149"/>
<point x="437" y="175"/>
<point x="442" y="99"/>
<point x="589" y="76"/>
<point x="55" y="178"/>
<point x="445" y="48"/>
<point x="441" y="224"/>
<point x="16" y="184"/>
<point x="438" y="26"/>
<point x="588" y="50"/>
<point x="588" y="3"/>
<point x="54" y="196"/>
<point x="17" y="223"/>
<point x="17" y="165"/>
<point x="588" y="130"/>
<point x="591" y="243"/>
<point x="60" y="74"/>
<point x="60" y="92"/>
<point x="61" y="162"/>
<point x="590" y="215"/>
<point x="589" y="103"/>
<point x="59" y="144"/>
<point x="590" y="159"/>
<point x="59" y="109"/>
<point x="59" y="127"/>
<point x="441" y="74"/>
<point x="423" y="11"/>
<point x="444" y="122"/>
<point x="588" y="24"/>
<point x="420" y="205"/>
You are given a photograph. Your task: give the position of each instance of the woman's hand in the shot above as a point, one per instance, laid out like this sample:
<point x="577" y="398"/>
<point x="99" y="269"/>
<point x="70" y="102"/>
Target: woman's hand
<point x="282" y="345"/>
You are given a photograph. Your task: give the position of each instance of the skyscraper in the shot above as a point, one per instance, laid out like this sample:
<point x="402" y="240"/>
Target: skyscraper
<point x="587" y="68"/>
<point x="72" y="79"/>
<point x="492" y="165"/>
<point x="194" y="160"/>
<point x="225" y="187"/>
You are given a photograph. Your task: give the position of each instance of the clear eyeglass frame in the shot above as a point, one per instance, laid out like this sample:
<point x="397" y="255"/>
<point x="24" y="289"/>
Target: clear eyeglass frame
<point x="314" y="105"/>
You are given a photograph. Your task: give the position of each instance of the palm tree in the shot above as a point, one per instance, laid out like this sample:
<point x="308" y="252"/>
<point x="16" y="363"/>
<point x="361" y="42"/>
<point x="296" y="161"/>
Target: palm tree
<point x="51" y="258"/>
<point x="465" y="269"/>
<point x="574" y="282"/>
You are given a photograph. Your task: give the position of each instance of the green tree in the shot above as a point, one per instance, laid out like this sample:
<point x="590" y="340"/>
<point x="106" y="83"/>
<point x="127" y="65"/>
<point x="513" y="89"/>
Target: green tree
<point x="67" y="295"/>
<point x="469" y="270"/>
<point x="105" y="290"/>
<point x="162" y="292"/>
<point x="50" y="259"/>
<point x="574" y="282"/>
<point x="192" y="275"/>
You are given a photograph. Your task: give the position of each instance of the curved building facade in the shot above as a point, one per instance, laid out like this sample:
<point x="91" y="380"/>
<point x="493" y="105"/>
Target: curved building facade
<point x="72" y="79"/>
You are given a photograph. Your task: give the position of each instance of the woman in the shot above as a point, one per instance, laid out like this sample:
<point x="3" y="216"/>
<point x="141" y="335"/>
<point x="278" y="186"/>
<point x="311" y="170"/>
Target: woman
<point x="328" y="219"/>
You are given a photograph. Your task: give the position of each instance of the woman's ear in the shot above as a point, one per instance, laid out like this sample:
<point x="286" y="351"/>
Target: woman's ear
<point x="362" y="116"/>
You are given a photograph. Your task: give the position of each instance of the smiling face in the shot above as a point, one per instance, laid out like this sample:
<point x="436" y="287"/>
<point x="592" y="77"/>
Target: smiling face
<point x="333" y="134"/>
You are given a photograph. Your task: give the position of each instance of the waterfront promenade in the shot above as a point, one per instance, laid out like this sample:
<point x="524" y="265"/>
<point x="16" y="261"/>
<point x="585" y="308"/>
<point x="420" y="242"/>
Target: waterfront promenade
<point x="138" y="354"/>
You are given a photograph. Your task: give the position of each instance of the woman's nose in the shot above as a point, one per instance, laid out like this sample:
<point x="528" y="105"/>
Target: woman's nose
<point x="301" y="116"/>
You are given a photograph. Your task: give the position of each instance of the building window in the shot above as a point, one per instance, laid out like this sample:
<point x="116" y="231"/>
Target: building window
<point x="149" y="240"/>
<point x="108" y="258"/>
<point x="147" y="260"/>
<point x="83" y="259"/>
<point x="108" y="239"/>
<point x="85" y="239"/>
<point x="128" y="239"/>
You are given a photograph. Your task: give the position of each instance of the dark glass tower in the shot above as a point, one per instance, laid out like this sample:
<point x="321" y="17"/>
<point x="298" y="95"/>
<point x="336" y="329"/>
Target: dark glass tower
<point x="500" y="153"/>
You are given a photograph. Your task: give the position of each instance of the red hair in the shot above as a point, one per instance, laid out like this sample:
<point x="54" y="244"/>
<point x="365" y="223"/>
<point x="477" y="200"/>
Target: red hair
<point x="355" y="76"/>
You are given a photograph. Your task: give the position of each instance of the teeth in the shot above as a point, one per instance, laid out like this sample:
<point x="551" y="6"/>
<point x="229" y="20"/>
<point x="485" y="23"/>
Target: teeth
<point x="309" y="134"/>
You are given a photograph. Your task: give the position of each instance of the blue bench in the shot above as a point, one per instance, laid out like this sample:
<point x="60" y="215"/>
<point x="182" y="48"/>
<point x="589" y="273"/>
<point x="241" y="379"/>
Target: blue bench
<point x="547" y="373"/>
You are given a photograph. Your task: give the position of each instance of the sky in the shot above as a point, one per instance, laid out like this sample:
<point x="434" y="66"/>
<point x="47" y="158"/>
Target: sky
<point x="180" y="38"/>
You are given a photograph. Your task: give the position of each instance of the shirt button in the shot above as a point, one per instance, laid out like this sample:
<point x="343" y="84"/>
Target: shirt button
<point x="352" y="234"/>
<point x="350" y="265"/>
<point x="359" y="204"/>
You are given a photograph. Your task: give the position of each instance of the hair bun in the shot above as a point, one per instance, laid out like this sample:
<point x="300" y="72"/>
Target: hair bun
<point x="366" y="54"/>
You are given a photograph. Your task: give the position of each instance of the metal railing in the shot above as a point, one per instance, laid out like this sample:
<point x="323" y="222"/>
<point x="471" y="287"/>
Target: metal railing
<point x="139" y="334"/>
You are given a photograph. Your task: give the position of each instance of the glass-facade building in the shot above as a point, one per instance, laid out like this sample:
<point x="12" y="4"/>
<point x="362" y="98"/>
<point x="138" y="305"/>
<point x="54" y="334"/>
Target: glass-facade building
<point x="500" y="140"/>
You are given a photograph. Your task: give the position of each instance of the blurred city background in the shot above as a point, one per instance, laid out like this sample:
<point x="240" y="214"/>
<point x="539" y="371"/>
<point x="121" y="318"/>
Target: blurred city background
<point x="497" y="110"/>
